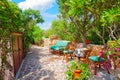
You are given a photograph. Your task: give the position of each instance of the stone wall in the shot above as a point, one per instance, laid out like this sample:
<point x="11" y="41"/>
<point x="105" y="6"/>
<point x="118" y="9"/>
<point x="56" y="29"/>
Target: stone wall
<point x="9" y="68"/>
<point x="8" y="73"/>
<point x="46" y="42"/>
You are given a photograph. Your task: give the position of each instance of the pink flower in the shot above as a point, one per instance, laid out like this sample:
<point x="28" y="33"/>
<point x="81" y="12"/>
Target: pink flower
<point x="118" y="49"/>
<point x="101" y="52"/>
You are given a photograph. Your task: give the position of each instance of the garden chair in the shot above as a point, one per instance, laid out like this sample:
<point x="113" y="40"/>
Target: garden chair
<point x="68" y="52"/>
<point x="99" y="60"/>
<point x="86" y="55"/>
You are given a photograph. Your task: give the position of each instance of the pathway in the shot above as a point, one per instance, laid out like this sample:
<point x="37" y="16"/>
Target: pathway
<point x="39" y="64"/>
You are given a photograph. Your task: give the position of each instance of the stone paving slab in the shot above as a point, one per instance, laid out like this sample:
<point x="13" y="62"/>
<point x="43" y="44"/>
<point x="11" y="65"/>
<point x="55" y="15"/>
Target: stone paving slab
<point x="39" y="64"/>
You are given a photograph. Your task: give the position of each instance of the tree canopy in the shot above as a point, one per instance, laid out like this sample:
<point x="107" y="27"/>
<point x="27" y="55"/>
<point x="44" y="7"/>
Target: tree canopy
<point x="86" y="15"/>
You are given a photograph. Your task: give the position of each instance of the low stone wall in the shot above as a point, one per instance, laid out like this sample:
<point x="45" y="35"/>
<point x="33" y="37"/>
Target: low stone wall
<point x="46" y="42"/>
<point x="95" y="49"/>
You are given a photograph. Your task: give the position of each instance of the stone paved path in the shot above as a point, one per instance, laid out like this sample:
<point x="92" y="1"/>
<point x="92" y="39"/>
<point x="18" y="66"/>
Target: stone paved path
<point x="39" y="64"/>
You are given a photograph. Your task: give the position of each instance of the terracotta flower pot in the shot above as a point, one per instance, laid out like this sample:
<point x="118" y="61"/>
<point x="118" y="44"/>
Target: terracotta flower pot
<point x="77" y="73"/>
<point x="87" y="41"/>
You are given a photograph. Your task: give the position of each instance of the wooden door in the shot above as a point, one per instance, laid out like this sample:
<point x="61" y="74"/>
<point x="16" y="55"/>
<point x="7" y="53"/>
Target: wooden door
<point x="18" y="52"/>
<point x="20" y="48"/>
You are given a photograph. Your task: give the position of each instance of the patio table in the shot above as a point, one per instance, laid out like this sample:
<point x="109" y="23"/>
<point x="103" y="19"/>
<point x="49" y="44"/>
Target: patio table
<point x="79" y="52"/>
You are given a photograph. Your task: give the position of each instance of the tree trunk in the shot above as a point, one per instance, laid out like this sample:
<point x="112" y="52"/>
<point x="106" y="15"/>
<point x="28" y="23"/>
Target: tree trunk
<point x="103" y="40"/>
<point x="84" y="39"/>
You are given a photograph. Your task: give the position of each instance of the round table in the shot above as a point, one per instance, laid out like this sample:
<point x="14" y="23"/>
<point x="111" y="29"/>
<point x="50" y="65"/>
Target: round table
<point x="79" y="52"/>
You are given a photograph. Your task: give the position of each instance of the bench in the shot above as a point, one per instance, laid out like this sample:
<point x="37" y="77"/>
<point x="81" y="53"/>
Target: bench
<point x="59" y="46"/>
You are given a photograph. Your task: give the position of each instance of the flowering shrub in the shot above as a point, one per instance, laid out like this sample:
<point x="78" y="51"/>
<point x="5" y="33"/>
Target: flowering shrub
<point x="111" y="51"/>
<point x="113" y="46"/>
<point x="101" y="52"/>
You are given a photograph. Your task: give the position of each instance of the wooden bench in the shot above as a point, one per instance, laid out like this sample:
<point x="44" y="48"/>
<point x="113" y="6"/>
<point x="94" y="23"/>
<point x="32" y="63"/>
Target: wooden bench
<point x="59" y="46"/>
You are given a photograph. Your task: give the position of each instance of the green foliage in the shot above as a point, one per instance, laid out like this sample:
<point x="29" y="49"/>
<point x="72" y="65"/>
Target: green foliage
<point x="9" y="22"/>
<point x="48" y="33"/>
<point x="85" y="74"/>
<point x="35" y="34"/>
<point x="13" y="19"/>
<point x="79" y="13"/>
<point x="59" y="28"/>
<point x="31" y="34"/>
<point x="10" y="15"/>
<point x="94" y="38"/>
<point x="30" y="14"/>
<point x="88" y="14"/>
<point x="75" y="7"/>
<point x="113" y="44"/>
<point x="110" y="19"/>
<point x="111" y="15"/>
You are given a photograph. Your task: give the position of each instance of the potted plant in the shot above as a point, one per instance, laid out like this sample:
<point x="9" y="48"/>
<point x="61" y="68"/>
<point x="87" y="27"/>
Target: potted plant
<point x="77" y="73"/>
<point x="77" y="70"/>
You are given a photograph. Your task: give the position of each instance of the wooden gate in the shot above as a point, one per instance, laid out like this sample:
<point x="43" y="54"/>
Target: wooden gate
<point x="18" y="51"/>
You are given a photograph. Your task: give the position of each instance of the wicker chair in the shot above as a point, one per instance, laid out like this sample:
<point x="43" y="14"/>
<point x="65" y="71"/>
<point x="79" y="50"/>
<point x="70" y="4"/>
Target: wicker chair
<point x="68" y="52"/>
<point x="98" y="60"/>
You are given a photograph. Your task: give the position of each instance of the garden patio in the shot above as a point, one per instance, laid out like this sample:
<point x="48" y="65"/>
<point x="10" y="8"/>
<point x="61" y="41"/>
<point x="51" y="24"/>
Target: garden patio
<point x="77" y="36"/>
<point x="40" y="64"/>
